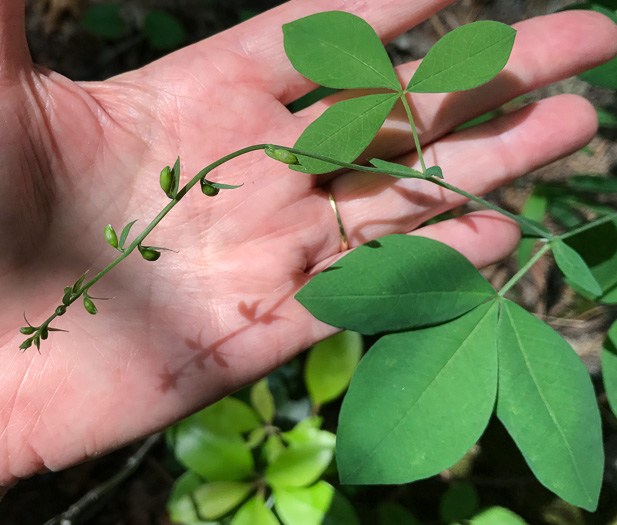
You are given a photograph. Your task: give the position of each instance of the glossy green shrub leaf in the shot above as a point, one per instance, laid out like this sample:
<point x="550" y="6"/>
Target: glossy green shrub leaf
<point x="163" y="30"/>
<point x="419" y="400"/>
<point x="308" y="431"/>
<point x="227" y="416"/>
<point x="609" y="366"/>
<point x="465" y="58"/>
<point x="497" y="516"/>
<point x="215" y="457"/>
<point x="338" y="50"/>
<point x="181" y="504"/>
<point x="255" y="512"/>
<point x="262" y="400"/>
<point x="299" y="465"/>
<point x="459" y="502"/>
<point x="216" y="499"/>
<point x="574" y="268"/>
<point x="396" y="170"/>
<point x="598" y="248"/>
<point x="105" y="21"/>
<point x="547" y="403"/>
<point x="273" y="448"/>
<point x="330" y="365"/>
<point x="395" y="283"/>
<point x="319" y="504"/>
<point x="394" y="514"/>
<point x="343" y="131"/>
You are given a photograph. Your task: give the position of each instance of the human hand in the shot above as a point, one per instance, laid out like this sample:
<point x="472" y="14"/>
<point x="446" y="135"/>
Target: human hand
<point x="199" y="324"/>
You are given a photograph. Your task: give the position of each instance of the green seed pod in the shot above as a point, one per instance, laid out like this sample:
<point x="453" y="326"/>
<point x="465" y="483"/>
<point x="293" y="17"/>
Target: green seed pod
<point x="37" y="342"/>
<point x="110" y="236"/>
<point x="89" y="306"/>
<point x="61" y="310"/>
<point x="282" y="155"/>
<point x="208" y="189"/>
<point x="149" y="255"/>
<point x="44" y="332"/>
<point x="27" y="330"/>
<point x="26" y="344"/>
<point x="66" y="299"/>
<point x="166" y="179"/>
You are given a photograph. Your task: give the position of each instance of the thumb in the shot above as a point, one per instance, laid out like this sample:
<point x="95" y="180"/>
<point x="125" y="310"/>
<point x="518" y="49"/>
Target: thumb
<point x="14" y="53"/>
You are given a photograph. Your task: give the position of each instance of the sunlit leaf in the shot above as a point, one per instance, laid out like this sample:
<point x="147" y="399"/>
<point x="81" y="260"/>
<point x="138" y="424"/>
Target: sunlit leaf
<point x="330" y="365"/>
<point x="465" y="58"/>
<point x="395" y="283"/>
<point x="547" y="403"/>
<point x="227" y="416"/>
<point x="262" y="400"/>
<point x="254" y="512"/>
<point x="419" y="400"/>
<point x="216" y="499"/>
<point x="181" y="505"/>
<point x="497" y="516"/>
<point x="319" y="504"/>
<point x="338" y="50"/>
<point x="343" y="131"/>
<point x="299" y="465"/>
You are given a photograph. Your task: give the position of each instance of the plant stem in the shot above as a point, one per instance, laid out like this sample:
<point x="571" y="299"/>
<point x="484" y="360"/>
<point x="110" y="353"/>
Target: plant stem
<point x="524" y="270"/>
<point x="414" y="131"/>
<point x="589" y="225"/>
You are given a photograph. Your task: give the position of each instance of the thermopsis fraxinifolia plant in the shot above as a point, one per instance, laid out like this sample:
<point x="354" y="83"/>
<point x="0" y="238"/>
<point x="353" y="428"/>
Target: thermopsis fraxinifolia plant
<point x="455" y="349"/>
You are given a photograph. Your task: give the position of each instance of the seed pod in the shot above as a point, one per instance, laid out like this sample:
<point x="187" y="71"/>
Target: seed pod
<point x="110" y="236"/>
<point x="282" y="155"/>
<point x="150" y="255"/>
<point x="89" y="306"/>
<point x="27" y="330"/>
<point x="26" y="344"/>
<point x="166" y="179"/>
<point x="44" y="332"/>
<point x="66" y="299"/>
<point x="61" y="310"/>
<point x="208" y="189"/>
<point x="37" y="342"/>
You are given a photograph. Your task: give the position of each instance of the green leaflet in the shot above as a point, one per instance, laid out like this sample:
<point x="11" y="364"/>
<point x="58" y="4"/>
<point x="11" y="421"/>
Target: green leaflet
<point x="419" y="400"/>
<point x="214" y="500"/>
<point x="574" y="268"/>
<point x="547" y="403"/>
<point x="395" y="283"/>
<point x="343" y="131"/>
<point x="338" y="50"/>
<point x="262" y="400"/>
<point x="465" y="58"/>
<point x="319" y="504"/>
<point x="609" y="366"/>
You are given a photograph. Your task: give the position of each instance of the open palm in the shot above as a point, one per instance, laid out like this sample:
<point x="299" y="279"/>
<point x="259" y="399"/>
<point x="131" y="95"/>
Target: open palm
<point x="201" y="323"/>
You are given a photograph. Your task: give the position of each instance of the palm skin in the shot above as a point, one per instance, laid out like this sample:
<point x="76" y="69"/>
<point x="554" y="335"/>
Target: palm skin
<point x="201" y="323"/>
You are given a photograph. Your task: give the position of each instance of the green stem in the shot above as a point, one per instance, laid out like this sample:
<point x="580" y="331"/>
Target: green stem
<point x="414" y="131"/>
<point x="588" y="226"/>
<point x="524" y="270"/>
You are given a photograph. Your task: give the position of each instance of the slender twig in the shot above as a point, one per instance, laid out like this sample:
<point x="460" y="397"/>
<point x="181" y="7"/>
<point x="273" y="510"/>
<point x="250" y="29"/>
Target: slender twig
<point x="132" y="464"/>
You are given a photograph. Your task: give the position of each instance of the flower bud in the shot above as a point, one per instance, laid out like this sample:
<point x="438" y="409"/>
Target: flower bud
<point x="282" y="155"/>
<point x="44" y="332"/>
<point x="208" y="189"/>
<point x="149" y="254"/>
<point x="27" y="330"/>
<point x="110" y="236"/>
<point x="61" y="310"/>
<point x="166" y="179"/>
<point x="89" y="306"/>
<point x="26" y="344"/>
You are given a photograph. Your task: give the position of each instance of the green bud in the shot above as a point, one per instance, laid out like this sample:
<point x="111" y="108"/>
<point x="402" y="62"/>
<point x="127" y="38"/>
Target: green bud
<point x="37" y="342"/>
<point x="166" y="179"/>
<point x="208" y="189"/>
<point x="26" y="344"/>
<point x="110" y="236"/>
<point x="66" y="299"/>
<point x="149" y="254"/>
<point x="27" y="330"/>
<point x="89" y="306"/>
<point x="61" y="310"/>
<point x="282" y="155"/>
<point x="44" y="332"/>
